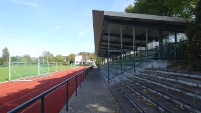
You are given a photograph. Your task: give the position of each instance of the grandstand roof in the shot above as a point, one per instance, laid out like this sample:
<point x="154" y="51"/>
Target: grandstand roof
<point x="101" y="20"/>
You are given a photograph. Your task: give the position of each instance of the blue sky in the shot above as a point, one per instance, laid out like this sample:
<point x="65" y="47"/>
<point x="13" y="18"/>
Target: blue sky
<point x="59" y="26"/>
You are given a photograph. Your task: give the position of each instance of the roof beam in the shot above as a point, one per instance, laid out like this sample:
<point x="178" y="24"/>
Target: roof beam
<point x="125" y="43"/>
<point x="162" y="25"/>
<point x="131" y="36"/>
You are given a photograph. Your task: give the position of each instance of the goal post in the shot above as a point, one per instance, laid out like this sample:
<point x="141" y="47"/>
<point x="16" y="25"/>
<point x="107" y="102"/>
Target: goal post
<point x="32" y="69"/>
<point x="18" y="64"/>
<point x="54" y="66"/>
<point x="17" y="71"/>
<point x="42" y="67"/>
<point x="59" y="66"/>
<point x="9" y="68"/>
<point x="26" y="71"/>
<point x="73" y="66"/>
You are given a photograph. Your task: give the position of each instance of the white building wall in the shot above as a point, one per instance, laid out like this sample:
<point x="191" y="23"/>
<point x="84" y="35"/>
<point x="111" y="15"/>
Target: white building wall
<point x="78" y="59"/>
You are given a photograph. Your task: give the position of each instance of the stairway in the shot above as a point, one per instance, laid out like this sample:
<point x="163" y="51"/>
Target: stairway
<point x="158" y="90"/>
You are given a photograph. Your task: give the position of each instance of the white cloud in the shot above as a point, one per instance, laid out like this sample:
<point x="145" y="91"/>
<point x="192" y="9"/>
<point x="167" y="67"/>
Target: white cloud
<point x="57" y="27"/>
<point x="83" y="32"/>
<point x="22" y="2"/>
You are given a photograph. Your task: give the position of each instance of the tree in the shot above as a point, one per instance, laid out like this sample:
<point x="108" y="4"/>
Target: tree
<point x="26" y="58"/>
<point x="92" y="57"/>
<point x="59" y="58"/>
<point x="99" y="61"/>
<point x="176" y="8"/>
<point x="5" y="56"/>
<point x="15" y="58"/>
<point x="87" y="56"/>
<point x="192" y="55"/>
<point x="1" y="61"/>
<point x="71" y="58"/>
<point x="48" y="57"/>
<point x="84" y="56"/>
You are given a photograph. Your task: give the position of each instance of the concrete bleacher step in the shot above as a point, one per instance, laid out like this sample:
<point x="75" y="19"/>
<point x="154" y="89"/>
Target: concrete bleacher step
<point x="125" y="104"/>
<point x="174" y="96"/>
<point x="158" y="101"/>
<point x="177" y="72"/>
<point x="136" y="100"/>
<point x="187" y="80"/>
<point x="188" y="90"/>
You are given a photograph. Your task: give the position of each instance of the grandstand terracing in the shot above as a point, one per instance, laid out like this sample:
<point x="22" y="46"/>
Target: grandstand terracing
<point x="154" y="90"/>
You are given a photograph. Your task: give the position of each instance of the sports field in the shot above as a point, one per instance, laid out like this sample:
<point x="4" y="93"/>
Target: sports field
<point x="13" y="94"/>
<point x="18" y="72"/>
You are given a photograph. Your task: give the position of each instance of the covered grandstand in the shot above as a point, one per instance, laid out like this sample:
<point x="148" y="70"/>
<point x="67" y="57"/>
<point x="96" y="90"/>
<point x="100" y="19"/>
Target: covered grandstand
<point x="127" y="40"/>
<point x="136" y="49"/>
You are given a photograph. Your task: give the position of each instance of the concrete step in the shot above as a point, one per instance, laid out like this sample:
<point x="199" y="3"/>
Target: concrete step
<point x="176" y="97"/>
<point x="125" y="104"/>
<point x="178" y="78"/>
<point x="136" y="100"/>
<point x="176" y="72"/>
<point x="188" y="90"/>
<point x="158" y="101"/>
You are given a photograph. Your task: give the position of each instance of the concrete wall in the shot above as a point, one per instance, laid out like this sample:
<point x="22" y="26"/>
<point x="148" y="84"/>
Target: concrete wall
<point x="158" y="63"/>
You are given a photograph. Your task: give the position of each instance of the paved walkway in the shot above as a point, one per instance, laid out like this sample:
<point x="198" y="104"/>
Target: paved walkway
<point x="93" y="96"/>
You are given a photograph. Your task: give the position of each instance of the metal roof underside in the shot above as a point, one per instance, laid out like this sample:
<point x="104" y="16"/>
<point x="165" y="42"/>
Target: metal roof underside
<point x="141" y="22"/>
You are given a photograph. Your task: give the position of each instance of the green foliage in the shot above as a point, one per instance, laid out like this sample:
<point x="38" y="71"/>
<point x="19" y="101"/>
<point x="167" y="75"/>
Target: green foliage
<point x="92" y="57"/>
<point x="88" y="56"/>
<point x="1" y="61"/>
<point x="192" y="56"/>
<point x="183" y="45"/>
<point x="59" y="58"/>
<point x="5" y="56"/>
<point x="15" y="58"/>
<point x="99" y="61"/>
<point x="26" y="58"/>
<point x="177" y="8"/>
<point x="130" y="9"/>
<point x="71" y="58"/>
<point x="48" y="57"/>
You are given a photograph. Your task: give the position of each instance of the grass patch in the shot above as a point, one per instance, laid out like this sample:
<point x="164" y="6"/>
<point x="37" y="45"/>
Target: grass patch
<point x="27" y="71"/>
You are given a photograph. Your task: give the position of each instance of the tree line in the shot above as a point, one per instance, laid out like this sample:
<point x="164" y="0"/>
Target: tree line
<point x="45" y="58"/>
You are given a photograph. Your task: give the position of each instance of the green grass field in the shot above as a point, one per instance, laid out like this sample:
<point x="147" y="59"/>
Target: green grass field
<point x="27" y="71"/>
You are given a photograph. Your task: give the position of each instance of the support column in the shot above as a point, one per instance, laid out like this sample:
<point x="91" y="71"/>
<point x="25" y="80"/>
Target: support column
<point x="121" y="35"/>
<point x="108" y="63"/>
<point x="147" y="44"/>
<point x="141" y="54"/>
<point x="160" y="44"/>
<point x="175" y="45"/>
<point x="134" y="49"/>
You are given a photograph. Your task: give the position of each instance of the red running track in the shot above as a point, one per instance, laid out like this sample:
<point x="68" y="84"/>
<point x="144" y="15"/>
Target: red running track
<point x="13" y="94"/>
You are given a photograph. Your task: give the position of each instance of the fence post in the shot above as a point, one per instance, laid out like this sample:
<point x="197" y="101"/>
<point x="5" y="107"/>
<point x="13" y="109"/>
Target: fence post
<point x="80" y="79"/>
<point x="67" y="96"/>
<point x="76" y="86"/>
<point x="42" y="105"/>
<point x="83" y="76"/>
